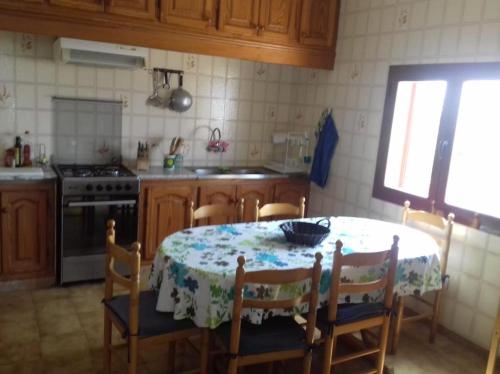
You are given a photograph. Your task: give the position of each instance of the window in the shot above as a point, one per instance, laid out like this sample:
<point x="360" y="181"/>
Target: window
<point x="440" y="141"/>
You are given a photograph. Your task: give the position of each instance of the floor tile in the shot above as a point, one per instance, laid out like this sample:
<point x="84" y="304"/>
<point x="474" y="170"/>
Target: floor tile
<point x="64" y="348"/>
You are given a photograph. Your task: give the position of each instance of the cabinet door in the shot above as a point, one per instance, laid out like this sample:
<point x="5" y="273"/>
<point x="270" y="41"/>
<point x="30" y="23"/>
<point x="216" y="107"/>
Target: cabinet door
<point x="319" y="22"/>
<point x="239" y="17"/>
<point x="25" y="231"/>
<point x="196" y="14"/>
<point x="291" y="192"/>
<point x="251" y="192"/>
<point x="167" y="212"/>
<point x="217" y="194"/>
<point x="278" y="20"/>
<point x="145" y="9"/>
<point x="90" y="5"/>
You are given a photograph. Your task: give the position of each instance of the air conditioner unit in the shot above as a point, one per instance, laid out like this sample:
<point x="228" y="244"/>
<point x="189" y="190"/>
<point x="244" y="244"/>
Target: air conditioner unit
<point x="83" y="52"/>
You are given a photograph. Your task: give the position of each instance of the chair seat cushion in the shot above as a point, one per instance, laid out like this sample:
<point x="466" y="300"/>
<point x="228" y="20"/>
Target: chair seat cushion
<point x="151" y="322"/>
<point x="349" y="313"/>
<point x="273" y="335"/>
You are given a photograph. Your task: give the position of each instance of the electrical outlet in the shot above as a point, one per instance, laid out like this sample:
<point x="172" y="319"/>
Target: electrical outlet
<point x="271" y="112"/>
<point x="362" y="122"/>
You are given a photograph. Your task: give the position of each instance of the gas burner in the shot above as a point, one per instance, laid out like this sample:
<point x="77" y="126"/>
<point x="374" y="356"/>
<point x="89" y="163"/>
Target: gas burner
<point x="82" y="172"/>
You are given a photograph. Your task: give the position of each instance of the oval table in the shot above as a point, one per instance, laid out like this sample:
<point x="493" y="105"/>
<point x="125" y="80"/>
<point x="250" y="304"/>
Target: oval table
<point x="194" y="269"/>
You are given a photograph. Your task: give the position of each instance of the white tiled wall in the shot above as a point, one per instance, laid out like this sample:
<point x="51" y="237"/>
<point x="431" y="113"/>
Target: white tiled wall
<point x="373" y="35"/>
<point x="244" y="99"/>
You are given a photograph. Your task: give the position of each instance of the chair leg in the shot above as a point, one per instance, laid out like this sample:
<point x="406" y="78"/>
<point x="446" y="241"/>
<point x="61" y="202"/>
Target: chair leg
<point x="384" y="333"/>
<point x="270" y="368"/>
<point x="171" y="357"/>
<point x="233" y="366"/>
<point x="205" y="346"/>
<point x="107" y="344"/>
<point x="306" y="363"/>
<point x="397" y="324"/>
<point x="328" y="353"/>
<point x="435" y="316"/>
<point x="133" y="354"/>
<point x="492" y="358"/>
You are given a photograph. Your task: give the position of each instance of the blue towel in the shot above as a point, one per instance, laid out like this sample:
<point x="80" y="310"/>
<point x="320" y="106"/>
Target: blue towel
<point x="327" y="141"/>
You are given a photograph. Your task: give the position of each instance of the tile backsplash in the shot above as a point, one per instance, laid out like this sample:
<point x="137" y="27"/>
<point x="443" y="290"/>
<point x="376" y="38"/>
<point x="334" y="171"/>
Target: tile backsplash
<point x="246" y="100"/>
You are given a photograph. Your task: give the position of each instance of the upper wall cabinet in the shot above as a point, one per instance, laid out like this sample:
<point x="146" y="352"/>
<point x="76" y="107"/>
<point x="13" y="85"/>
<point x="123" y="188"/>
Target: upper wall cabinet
<point x="195" y="14"/>
<point x="89" y="5"/>
<point x="278" y="20"/>
<point x="319" y="22"/>
<point x="145" y="9"/>
<point x="291" y="32"/>
<point x="239" y="17"/>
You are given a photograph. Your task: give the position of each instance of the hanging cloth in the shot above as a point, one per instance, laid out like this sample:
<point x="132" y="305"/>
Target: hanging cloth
<point x="325" y="147"/>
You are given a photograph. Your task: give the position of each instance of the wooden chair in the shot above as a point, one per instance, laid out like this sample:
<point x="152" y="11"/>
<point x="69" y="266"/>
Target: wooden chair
<point x="235" y="213"/>
<point x="135" y="315"/>
<point x="280" y="209"/>
<point x="495" y="338"/>
<point x="277" y="338"/>
<point x="337" y="320"/>
<point x="440" y="229"/>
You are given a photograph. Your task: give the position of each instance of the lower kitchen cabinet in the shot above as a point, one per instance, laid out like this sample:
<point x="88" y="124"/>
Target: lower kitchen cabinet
<point x="251" y="192"/>
<point x="217" y="193"/>
<point x="166" y="211"/>
<point x="164" y="204"/>
<point x="27" y="230"/>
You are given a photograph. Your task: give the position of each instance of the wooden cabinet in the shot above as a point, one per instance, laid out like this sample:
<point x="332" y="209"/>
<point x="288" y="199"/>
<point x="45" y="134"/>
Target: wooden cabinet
<point x="145" y="9"/>
<point x="251" y="192"/>
<point x="266" y="20"/>
<point x="277" y="20"/>
<point x="239" y="17"/>
<point x="195" y="14"/>
<point x="88" y="5"/>
<point x="217" y="193"/>
<point x="319" y="22"/>
<point x="27" y="230"/>
<point x="166" y="211"/>
<point x="291" y="192"/>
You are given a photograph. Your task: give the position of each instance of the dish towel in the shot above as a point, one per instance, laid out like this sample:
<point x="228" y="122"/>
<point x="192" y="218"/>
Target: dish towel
<point x="323" y="154"/>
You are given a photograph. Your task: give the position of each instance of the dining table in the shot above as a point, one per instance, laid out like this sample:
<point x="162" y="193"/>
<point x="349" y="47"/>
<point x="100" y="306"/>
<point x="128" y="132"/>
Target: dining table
<point x="194" y="269"/>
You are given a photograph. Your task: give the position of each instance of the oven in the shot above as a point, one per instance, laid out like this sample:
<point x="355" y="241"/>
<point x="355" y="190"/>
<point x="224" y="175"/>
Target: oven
<point x="83" y="232"/>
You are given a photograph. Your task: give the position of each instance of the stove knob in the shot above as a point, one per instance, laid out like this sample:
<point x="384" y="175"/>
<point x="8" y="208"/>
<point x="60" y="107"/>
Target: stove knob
<point x="89" y="187"/>
<point x="99" y="187"/>
<point x="118" y="187"/>
<point x="128" y="187"/>
<point x="109" y="187"/>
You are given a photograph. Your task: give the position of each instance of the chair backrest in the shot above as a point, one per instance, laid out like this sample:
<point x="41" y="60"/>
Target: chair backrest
<point x="439" y="228"/>
<point x="280" y="209"/>
<point x="385" y="282"/>
<point x="132" y="260"/>
<point x="275" y="277"/>
<point x="235" y="212"/>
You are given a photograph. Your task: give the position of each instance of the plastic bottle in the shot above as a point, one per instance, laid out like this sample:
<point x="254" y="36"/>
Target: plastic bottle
<point x="18" y="148"/>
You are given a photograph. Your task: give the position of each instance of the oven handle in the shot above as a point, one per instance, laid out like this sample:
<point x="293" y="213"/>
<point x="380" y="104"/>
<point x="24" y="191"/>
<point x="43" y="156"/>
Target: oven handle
<point x="102" y="203"/>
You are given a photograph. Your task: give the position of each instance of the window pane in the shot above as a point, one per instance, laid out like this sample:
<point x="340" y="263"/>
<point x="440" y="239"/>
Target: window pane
<point x="474" y="180"/>
<point x="415" y="127"/>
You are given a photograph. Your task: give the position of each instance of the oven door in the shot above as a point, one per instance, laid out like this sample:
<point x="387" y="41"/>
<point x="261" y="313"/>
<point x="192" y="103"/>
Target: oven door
<point x="83" y="231"/>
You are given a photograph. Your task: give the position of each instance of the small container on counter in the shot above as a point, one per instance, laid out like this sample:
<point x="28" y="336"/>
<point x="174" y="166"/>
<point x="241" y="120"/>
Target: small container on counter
<point x="169" y="162"/>
<point x="179" y="161"/>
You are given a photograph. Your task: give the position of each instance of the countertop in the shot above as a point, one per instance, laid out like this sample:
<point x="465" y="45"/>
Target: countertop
<point x="159" y="173"/>
<point x="48" y="174"/>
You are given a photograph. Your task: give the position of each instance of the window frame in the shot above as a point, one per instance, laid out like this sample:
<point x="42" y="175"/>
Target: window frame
<point x="455" y="75"/>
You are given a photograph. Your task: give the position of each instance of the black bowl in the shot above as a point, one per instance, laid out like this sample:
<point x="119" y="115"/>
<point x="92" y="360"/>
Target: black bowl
<point x="306" y="233"/>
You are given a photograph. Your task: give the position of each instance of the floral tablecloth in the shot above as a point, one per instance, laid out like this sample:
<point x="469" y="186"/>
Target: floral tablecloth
<point x="194" y="269"/>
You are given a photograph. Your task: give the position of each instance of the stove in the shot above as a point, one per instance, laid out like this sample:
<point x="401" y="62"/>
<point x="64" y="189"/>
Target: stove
<point x="90" y="195"/>
<point x="97" y="180"/>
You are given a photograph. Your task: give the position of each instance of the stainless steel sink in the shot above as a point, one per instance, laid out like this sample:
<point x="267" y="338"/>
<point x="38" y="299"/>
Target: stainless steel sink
<point x="234" y="172"/>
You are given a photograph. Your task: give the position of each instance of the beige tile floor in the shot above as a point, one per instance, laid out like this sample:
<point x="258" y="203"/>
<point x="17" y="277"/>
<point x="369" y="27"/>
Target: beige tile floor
<point x="59" y="330"/>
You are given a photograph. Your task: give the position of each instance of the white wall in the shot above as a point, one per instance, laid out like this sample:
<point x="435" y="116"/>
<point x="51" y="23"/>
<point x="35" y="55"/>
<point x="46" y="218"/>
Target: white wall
<point x="242" y="98"/>
<point x="373" y="35"/>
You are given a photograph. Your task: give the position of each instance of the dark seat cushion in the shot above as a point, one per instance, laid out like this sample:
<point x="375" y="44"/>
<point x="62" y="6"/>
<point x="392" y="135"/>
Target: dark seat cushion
<point x="151" y="322"/>
<point x="273" y="335"/>
<point x="349" y="313"/>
